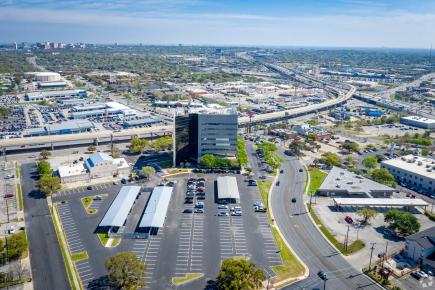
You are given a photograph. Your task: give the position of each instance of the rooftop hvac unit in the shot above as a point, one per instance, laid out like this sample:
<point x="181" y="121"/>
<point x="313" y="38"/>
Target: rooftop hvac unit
<point x="419" y="163"/>
<point x="403" y="158"/>
<point x="429" y="170"/>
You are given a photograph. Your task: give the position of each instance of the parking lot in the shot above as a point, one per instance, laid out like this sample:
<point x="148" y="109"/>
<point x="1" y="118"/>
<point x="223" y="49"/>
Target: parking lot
<point x="8" y="199"/>
<point x="191" y="242"/>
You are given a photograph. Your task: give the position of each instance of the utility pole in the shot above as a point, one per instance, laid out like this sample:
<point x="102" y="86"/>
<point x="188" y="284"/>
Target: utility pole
<point x="347" y="238"/>
<point x="371" y="255"/>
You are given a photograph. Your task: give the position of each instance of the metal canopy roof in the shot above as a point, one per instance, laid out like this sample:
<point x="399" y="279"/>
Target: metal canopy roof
<point x="155" y="212"/>
<point x="227" y="187"/>
<point x="380" y="201"/>
<point x="120" y="207"/>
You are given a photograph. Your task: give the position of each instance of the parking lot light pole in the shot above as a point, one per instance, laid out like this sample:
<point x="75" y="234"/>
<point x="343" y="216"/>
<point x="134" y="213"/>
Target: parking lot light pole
<point x="371" y="255"/>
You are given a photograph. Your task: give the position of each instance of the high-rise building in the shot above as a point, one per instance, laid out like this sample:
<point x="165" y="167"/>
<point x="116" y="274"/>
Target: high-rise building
<point x="200" y="134"/>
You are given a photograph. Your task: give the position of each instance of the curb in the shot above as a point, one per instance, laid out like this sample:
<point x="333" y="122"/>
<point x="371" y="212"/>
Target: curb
<point x="307" y="270"/>
<point x="309" y="214"/>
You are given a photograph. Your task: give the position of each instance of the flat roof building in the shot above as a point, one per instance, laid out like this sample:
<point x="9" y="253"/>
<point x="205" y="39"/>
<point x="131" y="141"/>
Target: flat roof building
<point x="380" y="202"/>
<point x="66" y="127"/>
<point x="116" y="215"/>
<point x="41" y="96"/>
<point x="140" y="122"/>
<point x="157" y="208"/>
<point x="228" y="189"/>
<point x="200" y="134"/>
<point x="414" y="172"/>
<point x="110" y="109"/>
<point x="420" y="122"/>
<point x="341" y="182"/>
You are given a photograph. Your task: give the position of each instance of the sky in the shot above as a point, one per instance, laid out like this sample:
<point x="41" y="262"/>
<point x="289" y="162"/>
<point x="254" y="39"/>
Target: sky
<point x="335" y="23"/>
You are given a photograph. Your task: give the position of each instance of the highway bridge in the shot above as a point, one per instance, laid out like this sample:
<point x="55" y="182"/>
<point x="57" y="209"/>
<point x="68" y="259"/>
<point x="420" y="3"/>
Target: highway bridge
<point x="105" y="136"/>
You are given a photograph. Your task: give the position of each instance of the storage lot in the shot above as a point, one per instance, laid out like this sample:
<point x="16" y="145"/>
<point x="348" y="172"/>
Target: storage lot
<point x="188" y="243"/>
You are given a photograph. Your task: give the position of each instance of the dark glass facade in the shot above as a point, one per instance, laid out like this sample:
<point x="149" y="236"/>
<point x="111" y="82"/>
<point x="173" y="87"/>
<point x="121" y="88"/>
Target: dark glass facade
<point x="186" y="138"/>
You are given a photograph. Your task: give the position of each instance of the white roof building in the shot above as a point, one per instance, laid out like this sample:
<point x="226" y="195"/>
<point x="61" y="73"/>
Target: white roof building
<point x="417" y="121"/>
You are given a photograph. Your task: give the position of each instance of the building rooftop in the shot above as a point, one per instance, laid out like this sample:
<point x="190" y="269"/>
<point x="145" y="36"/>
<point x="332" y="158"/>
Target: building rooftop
<point x="380" y="202"/>
<point x="341" y="180"/>
<point x="120" y="207"/>
<point x="98" y="158"/>
<point x="71" y="170"/>
<point x="426" y="238"/>
<point x="419" y="119"/>
<point x="157" y="207"/>
<point x="227" y="187"/>
<point x="419" y="165"/>
<point x="70" y="125"/>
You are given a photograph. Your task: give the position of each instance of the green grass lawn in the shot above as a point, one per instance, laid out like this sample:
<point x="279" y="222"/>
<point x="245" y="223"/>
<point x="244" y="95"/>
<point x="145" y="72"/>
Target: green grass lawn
<point x="291" y="267"/>
<point x="87" y="201"/>
<point x="187" y="278"/>
<point x="352" y="248"/>
<point x="104" y="237"/>
<point x="80" y="256"/>
<point x="316" y="178"/>
<point x="264" y="188"/>
<point x="19" y="197"/>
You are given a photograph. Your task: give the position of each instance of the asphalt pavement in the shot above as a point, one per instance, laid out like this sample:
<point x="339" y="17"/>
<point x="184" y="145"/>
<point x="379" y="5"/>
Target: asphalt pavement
<point x="304" y="237"/>
<point x="45" y="256"/>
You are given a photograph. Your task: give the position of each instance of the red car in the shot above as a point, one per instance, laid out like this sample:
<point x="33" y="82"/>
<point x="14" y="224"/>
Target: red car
<point x="8" y="195"/>
<point x="348" y="219"/>
<point x="200" y="189"/>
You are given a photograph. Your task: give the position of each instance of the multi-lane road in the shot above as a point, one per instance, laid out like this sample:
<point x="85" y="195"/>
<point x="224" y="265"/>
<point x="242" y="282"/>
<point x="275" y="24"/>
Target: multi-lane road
<point x="304" y="238"/>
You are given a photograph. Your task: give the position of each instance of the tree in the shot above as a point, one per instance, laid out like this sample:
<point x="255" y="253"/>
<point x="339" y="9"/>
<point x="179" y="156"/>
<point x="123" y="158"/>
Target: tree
<point x="366" y="214"/>
<point x="137" y="145"/>
<point x="116" y="153"/>
<point x="350" y="161"/>
<point x="239" y="274"/>
<point x="382" y="175"/>
<point x="126" y="270"/>
<point x="296" y="147"/>
<point x="330" y="159"/>
<point x="370" y="162"/>
<point x="49" y="185"/>
<point x="242" y="156"/>
<point x="350" y="147"/>
<point x="17" y="244"/>
<point x="403" y="222"/>
<point x="147" y="171"/>
<point x="44" y="168"/>
<point x="163" y="143"/>
<point x="92" y="148"/>
<point x="45" y="154"/>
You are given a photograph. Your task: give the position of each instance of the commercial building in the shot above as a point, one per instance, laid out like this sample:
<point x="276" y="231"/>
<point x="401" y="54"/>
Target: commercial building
<point x="98" y="165"/>
<point x="157" y="208"/>
<point x="110" y="109"/>
<point x="419" y="122"/>
<point x="408" y="203"/>
<point x="47" y="77"/>
<point x="420" y="247"/>
<point x="414" y="172"/>
<point x="140" y="122"/>
<point x="64" y="94"/>
<point x="116" y="215"/>
<point x="228" y="189"/>
<point x="305" y="130"/>
<point x="201" y="133"/>
<point x="67" y="127"/>
<point x="341" y="182"/>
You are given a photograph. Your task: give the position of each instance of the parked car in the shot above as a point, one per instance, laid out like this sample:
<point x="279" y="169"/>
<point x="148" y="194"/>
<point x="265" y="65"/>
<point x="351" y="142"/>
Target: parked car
<point x="348" y="219"/>
<point x="98" y="197"/>
<point x="8" y="195"/>
<point x="294" y="199"/>
<point x="199" y="210"/>
<point x="281" y="171"/>
<point x="187" y="210"/>
<point x="222" y="206"/>
<point x="301" y="170"/>
<point x="223" y="214"/>
<point x="278" y="183"/>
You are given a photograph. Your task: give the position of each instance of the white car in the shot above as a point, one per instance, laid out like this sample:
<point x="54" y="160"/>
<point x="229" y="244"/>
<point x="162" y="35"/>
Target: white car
<point x="222" y="206"/>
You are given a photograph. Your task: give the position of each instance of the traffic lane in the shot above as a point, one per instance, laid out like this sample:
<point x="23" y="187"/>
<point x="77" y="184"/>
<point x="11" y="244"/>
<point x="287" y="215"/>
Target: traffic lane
<point x="316" y="253"/>
<point x="48" y="270"/>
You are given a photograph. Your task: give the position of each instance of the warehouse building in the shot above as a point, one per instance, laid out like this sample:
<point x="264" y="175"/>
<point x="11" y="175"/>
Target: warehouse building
<point x="198" y="134"/>
<point x="47" y="77"/>
<point x="110" y="109"/>
<point x="419" y="122"/>
<point x="66" y="127"/>
<point x="64" y="94"/>
<point x="414" y="172"/>
<point x="341" y="182"/>
<point x="227" y="189"/>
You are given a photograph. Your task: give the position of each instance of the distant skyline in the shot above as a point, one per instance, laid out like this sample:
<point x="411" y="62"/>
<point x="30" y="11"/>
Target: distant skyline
<point x="333" y="23"/>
